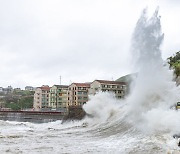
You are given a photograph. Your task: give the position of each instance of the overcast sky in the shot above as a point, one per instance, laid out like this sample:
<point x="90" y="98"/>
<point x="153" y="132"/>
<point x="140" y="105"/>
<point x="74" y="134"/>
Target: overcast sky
<point x="79" y="40"/>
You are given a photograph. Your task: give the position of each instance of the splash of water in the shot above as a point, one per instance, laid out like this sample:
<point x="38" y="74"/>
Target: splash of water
<point x="102" y="106"/>
<point x="154" y="91"/>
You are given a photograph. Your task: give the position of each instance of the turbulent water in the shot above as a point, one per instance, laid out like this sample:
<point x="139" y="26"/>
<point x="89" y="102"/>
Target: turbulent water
<point x="141" y="123"/>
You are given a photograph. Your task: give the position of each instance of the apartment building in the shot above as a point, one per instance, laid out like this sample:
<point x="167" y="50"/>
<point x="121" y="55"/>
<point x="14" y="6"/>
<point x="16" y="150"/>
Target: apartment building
<point x="78" y="94"/>
<point x="118" y="88"/>
<point x="58" y="97"/>
<point x="41" y="98"/>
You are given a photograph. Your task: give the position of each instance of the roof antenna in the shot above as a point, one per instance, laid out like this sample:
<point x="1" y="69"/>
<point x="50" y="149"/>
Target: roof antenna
<point x="60" y="79"/>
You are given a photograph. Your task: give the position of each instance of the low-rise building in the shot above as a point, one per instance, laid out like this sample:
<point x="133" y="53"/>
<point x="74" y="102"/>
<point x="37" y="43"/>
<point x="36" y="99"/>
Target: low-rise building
<point x="41" y="98"/>
<point x="58" y="97"/>
<point x="118" y="88"/>
<point x="29" y="88"/>
<point x="17" y="89"/>
<point x="8" y="90"/>
<point x="78" y="94"/>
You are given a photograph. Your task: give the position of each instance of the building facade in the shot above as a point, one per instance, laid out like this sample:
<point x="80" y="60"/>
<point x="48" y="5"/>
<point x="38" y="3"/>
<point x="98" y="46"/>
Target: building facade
<point x="41" y="98"/>
<point x="78" y="94"/>
<point x="58" y="97"/>
<point x="118" y="88"/>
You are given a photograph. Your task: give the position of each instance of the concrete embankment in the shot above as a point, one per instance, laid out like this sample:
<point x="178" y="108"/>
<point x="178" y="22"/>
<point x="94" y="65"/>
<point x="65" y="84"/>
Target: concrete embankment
<point x="31" y="116"/>
<point x="74" y="113"/>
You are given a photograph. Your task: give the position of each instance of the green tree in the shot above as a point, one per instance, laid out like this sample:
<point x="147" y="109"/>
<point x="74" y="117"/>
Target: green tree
<point x="174" y="62"/>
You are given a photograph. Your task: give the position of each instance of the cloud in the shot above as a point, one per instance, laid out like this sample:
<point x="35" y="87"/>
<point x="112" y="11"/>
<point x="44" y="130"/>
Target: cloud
<point x="80" y="40"/>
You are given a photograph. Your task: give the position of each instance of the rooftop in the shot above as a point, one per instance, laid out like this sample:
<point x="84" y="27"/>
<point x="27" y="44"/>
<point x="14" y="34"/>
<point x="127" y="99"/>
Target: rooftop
<point x="61" y="86"/>
<point x="82" y="84"/>
<point x="111" y="82"/>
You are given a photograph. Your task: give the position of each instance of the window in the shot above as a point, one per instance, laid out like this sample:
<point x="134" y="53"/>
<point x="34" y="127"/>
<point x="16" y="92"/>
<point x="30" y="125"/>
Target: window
<point x="79" y="97"/>
<point x="103" y="86"/>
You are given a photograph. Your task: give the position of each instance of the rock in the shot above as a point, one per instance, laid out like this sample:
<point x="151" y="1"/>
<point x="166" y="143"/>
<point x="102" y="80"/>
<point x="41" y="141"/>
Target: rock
<point x="74" y="113"/>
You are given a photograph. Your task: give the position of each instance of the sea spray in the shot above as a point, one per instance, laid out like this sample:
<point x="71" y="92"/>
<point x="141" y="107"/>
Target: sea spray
<point x="148" y="107"/>
<point x="102" y="106"/>
<point x="154" y="92"/>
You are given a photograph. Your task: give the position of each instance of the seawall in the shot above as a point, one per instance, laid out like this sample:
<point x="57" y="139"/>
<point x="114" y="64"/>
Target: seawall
<point x="31" y="116"/>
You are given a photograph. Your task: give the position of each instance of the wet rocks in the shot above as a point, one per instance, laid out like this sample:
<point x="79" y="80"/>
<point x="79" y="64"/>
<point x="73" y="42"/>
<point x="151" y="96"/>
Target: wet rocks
<point x="74" y="113"/>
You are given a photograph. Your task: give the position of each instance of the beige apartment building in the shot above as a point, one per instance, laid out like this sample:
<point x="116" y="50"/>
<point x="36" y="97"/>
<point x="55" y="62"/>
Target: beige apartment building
<point x="78" y="94"/>
<point x="118" y="88"/>
<point x="58" y="97"/>
<point x="41" y="98"/>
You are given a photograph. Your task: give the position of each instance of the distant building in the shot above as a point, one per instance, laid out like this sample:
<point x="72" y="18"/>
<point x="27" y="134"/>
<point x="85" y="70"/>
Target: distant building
<point x="17" y="89"/>
<point x="41" y="98"/>
<point x="29" y="88"/>
<point x="8" y="90"/>
<point x="118" y="88"/>
<point x="78" y="94"/>
<point x="58" y="97"/>
<point x="1" y="89"/>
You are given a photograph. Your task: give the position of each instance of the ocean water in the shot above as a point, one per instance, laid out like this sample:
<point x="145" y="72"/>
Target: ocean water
<point x="141" y="123"/>
<point x="86" y="136"/>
